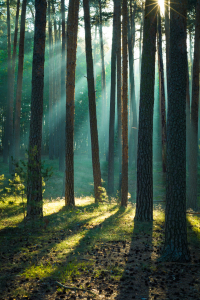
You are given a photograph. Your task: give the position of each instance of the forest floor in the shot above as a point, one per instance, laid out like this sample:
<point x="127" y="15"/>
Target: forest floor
<point x="98" y="249"/>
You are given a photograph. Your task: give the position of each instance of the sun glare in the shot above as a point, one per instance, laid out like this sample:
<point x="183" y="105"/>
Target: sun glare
<point x="162" y="7"/>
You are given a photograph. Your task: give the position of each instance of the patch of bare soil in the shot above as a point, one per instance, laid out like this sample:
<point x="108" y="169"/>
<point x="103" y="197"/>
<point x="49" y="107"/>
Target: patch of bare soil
<point x="121" y="270"/>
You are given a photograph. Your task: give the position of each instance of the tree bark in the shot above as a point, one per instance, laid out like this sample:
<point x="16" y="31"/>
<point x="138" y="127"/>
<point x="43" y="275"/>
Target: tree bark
<point x="9" y="111"/>
<point x="124" y="189"/>
<point x="119" y="92"/>
<point x="162" y="94"/>
<point x="112" y="110"/>
<point x="34" y="185"/>
<point x="176" y="248"/>
<point x="19" y="84"/>
<point x="144" y="200"/>
<point x="72" y="30"/>
<point x="92" y="105"/>
<point x="62" y="105"/>
<point x="193" y="158"/>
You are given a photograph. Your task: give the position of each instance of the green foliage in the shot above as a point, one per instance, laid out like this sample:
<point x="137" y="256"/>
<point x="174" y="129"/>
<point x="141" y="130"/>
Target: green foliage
<point x="3" y="192"/>
<point x="16" y="186"/>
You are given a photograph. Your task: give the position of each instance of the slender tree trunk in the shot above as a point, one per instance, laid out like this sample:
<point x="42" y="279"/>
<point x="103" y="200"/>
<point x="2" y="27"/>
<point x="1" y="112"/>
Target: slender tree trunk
<point x="119" y="92"/>
<point x="167" y="35"/>
<point x="104" y="135"/>
<point x="162" y="94"/>
<point x="144" y="200"/>
<point x="62" y="105"/>
<point x="19" y="84"/>
<point x="9" y="112"/>
<point x="34" y="185"/>
<point x="112" y="110"/>
<point x="72" y="30"/>
<point x="193" y="158"/>
<point x="176" y="248"/>
<point x="124" y="189"/>
<point x="92" y="104"/>
<point x="133" y="113"/>
<point x="51" y="140"/>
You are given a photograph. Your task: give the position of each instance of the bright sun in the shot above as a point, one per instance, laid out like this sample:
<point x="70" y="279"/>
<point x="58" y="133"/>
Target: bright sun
<point x="162" y="7"/>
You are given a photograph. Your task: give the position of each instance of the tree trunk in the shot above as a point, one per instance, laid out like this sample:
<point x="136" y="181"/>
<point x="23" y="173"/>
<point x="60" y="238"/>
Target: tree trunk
<point x="104" y="135"/>
<point x="92" y="104"/>
<point x="19" y="84"/>
<point x="144" y="200"/>
<point x="124" y="189"/>
<point x="34" y="185"/>
<point x="162" y="93"/>
<point x="176" y="248"/>
<point x="133" y="113"/>
<point x="9" y="112"/>
<point x="193" y="158"/>
<point x="119" y="92"/>
<point x="62" y="105"/>
<point x="112" y="110"/>
<point x="72" y="30"/>
<point x="167" y="35"/>
<point x="51" y="140"/>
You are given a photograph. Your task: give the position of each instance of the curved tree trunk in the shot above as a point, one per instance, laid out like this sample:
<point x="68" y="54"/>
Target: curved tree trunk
<point x="19" y="84"/>
<point x="34" y="184"/>
<point x="176" y="248"/>
<point x="92" y="105"/>
<point x="72" y="30"/>
<point x="144" y="201"/>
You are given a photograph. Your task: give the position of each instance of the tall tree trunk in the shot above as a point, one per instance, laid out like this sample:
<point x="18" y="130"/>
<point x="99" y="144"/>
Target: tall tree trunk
<point x="124" y="189"/>
<point x="51" y="140"/>
<point x="176" y="248"/>
<point x="119" y="92"/>
<point x="167" y="35"/>
<point x="144" y="200"/>
<point x="112" y="110"/>
<point x="92" y="104"/>
<point x="19" y="84"/>
<point x="162" y="93"/>
<point x="9" y="112"/>
<point x="34" y="184"/>
<point x="133" y="113"/>
<point x="62" y="105"/>
<point x="193" y="158"/>
<point x="72" y="30"/>
<point x="104" y="135"/>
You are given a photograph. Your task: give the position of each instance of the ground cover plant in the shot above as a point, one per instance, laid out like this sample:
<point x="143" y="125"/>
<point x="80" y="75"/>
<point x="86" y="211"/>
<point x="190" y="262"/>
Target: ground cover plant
<point x="96" y="251"/>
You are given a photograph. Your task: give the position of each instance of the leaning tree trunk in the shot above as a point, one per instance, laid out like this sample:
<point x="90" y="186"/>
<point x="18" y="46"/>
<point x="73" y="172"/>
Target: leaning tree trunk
<point x="9" y="112"/>
<point x="72" y="30"/>
<point x="144" y="200"/>
<point x="112" y="110"/>
<point x="124" y="189"/>
<point x="162" y="94"/>
<point x="193" y="151"/>
<point x="92" y="105"/>
<point x="175" y="247"/>
<point x="34" y="184"/>
<point x="19" y="84"/>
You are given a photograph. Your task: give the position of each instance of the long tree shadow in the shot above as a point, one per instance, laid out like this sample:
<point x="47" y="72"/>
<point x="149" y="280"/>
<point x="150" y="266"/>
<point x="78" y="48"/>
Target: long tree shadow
<point x="134" y="281"/>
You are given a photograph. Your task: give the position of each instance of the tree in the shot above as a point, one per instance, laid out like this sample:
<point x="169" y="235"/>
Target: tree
<point x="175" y="247"/>
<point x="124" y="188"/>
<point x="112" y="110"/>
<point x="193" y="150"/>
<point x="144" y="200"/>
<point x="72" y="29"/>
<point x="92" y="104"/>
<point x="19" y="84"/>
<point x="34" y="182"/>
